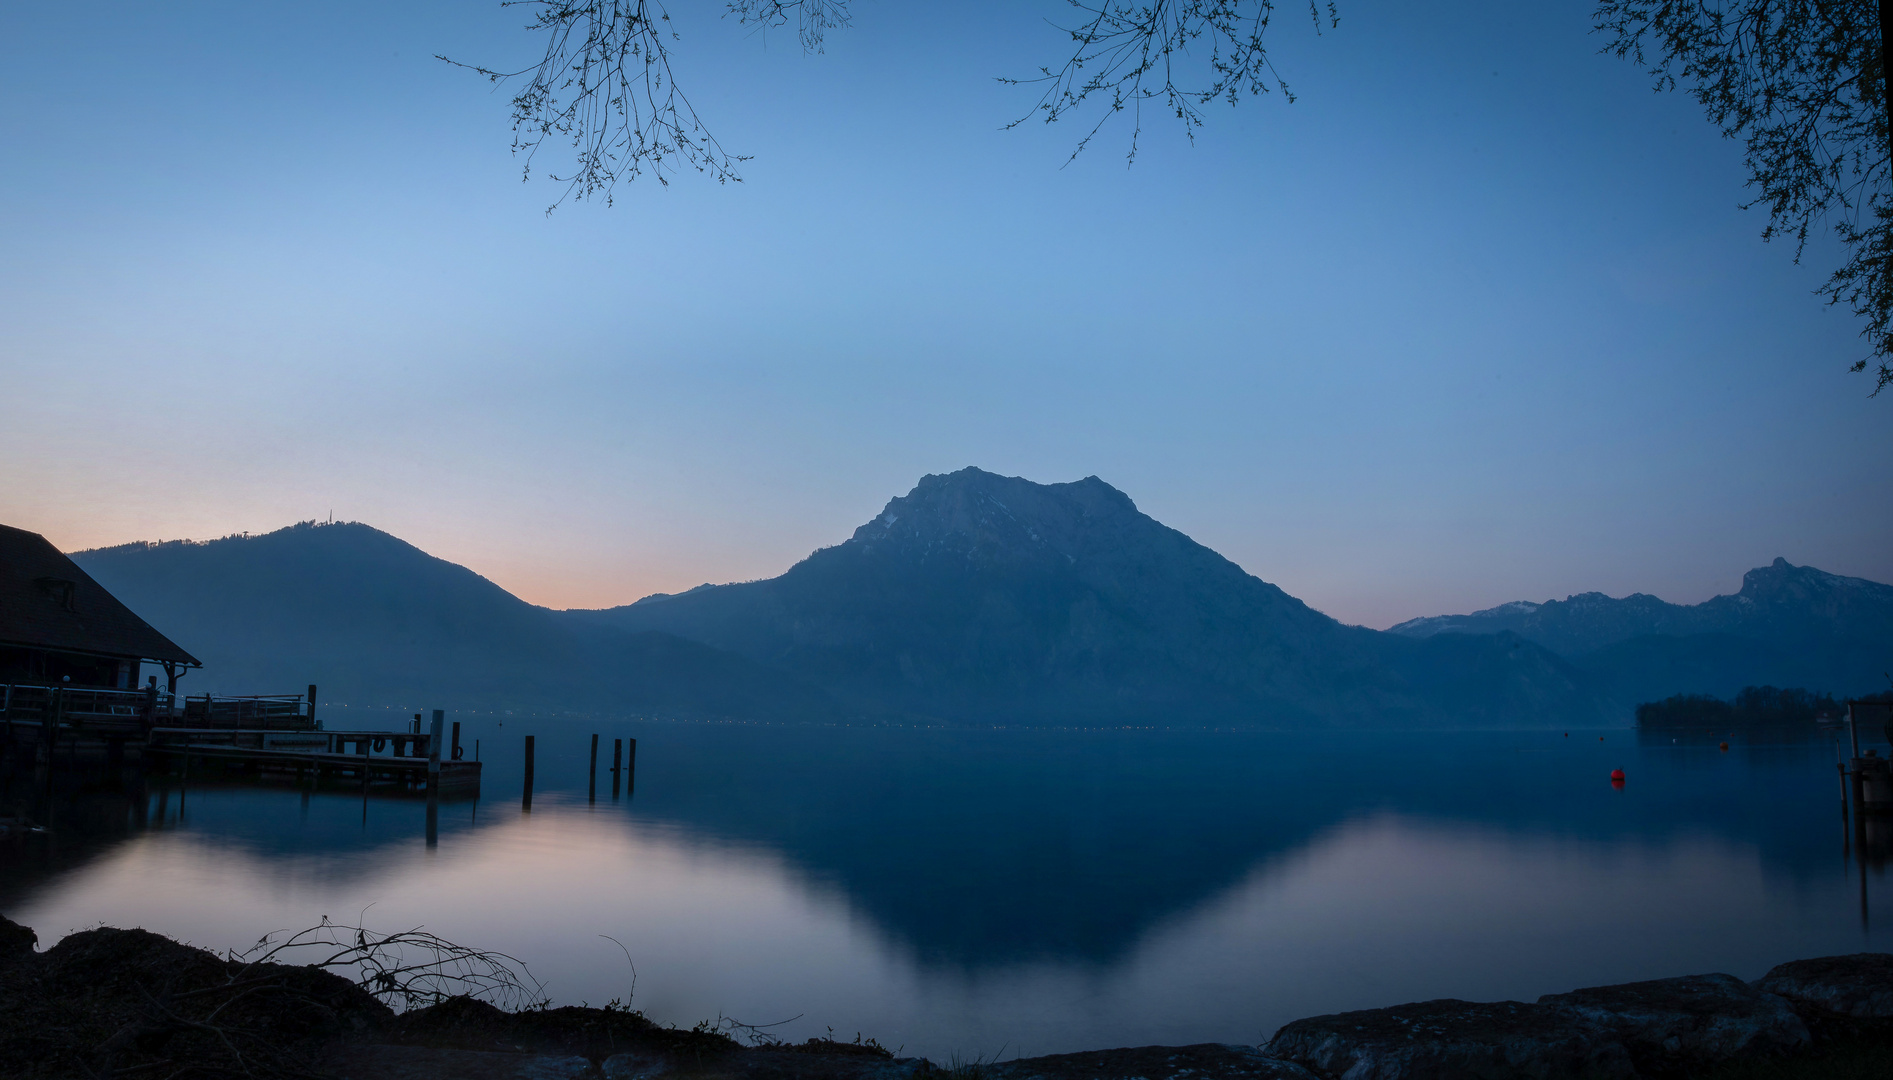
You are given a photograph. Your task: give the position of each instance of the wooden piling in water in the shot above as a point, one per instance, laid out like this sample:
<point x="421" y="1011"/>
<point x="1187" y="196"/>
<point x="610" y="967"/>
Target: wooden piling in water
<point x="1841" y="768"/>
<point x="617" y="756"/>
<point x="630" y="766"/>
<point x="525" y="801"/>
<point x="433" y="780"/>
<point x="455" y="747"/>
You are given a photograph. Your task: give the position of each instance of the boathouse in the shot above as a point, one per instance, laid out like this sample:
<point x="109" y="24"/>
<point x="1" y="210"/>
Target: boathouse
<point x="60" y="627"/>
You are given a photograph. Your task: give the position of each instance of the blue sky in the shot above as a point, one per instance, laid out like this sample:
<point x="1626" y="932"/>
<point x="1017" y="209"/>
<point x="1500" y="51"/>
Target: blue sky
<point x="1476" y="319"/>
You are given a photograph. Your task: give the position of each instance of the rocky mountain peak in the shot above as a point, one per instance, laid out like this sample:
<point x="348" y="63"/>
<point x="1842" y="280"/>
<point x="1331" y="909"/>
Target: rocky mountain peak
<point x="974" y="510"/>
<point x="1783" y="585"/>
<point x="1782" y="575"/>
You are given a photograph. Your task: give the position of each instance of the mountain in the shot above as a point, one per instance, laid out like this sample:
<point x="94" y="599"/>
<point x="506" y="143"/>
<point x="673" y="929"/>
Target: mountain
<point x="372" y="619"/>
<point x="975" y="598"/>
<point x="1788" y="626"/>
<point x="983" y="598"/>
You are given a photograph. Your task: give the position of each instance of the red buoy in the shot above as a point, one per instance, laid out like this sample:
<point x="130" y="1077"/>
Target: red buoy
<point x="1616" y="774"/>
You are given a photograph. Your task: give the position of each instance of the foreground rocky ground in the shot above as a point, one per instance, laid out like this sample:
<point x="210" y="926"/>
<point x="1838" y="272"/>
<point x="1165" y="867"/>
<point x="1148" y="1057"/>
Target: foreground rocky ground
<point x="127" y="1003"/>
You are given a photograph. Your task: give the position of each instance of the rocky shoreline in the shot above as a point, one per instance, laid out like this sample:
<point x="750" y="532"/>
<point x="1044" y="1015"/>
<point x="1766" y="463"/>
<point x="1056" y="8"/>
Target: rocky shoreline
<point x="128" y="1003"/>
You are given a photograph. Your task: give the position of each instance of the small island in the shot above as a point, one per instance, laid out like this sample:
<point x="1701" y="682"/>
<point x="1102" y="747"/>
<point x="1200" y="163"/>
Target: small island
<point x="1754" y="707"/>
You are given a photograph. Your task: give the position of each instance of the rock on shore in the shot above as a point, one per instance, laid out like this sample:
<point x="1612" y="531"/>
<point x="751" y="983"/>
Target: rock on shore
<point x="1450" y="1039"/>
<point x="1696" y="1019"/>
<point x="1202" y="1060"/>
<point x="1859" y="986"/>
<point x="1660" y="1028"/>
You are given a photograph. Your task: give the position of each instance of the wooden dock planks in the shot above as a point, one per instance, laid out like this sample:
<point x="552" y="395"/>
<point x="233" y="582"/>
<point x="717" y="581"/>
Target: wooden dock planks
<point x="317" y="753"/>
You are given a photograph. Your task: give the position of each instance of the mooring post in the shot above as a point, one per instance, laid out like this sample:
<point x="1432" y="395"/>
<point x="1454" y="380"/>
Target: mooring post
<point x="455" y="747"/>
<point x="313" y="722"/>
<point x="617" y="756"/>
<point x="525" y="801"/>
<point x="630" y="766"/>
<point x="433" y="780"/>
<point x="1857" y="789"/>
<point x="592" y="784"/>
<point x="433" y="755"/>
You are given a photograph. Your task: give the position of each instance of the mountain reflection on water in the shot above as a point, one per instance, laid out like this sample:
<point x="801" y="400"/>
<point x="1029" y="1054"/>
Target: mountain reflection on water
<point x="1027" y="891"/>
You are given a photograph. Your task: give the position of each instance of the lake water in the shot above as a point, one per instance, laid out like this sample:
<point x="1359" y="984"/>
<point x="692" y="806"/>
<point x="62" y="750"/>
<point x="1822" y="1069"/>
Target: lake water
<point x="1013" y="892"/>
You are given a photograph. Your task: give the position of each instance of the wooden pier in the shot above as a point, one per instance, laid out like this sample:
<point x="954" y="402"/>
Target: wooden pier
<point x="70" y="660"/>
<point x="270" y="734"/>
<point x="335" y="755"/>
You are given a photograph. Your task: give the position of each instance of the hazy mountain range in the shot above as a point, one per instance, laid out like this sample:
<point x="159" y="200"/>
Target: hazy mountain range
<point x="1788" y="626"/>
<point x="373" y="620"/>
<point x="974" y="598"/>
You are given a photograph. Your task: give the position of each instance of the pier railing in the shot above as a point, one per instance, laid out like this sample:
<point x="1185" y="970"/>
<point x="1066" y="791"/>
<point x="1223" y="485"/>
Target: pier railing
<point x="289" y="712"/>
<point x="87" y="707"/>
<point x="28" y="702"/>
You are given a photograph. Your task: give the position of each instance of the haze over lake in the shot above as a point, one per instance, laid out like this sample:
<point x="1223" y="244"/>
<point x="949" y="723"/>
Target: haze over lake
<point x="1023" y="892"/>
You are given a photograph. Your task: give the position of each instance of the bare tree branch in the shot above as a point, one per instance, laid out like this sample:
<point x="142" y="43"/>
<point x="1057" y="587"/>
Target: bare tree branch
<point x="605" y="88"/>
<point x="1129" y="53"/>
<point x="813" y="18"/>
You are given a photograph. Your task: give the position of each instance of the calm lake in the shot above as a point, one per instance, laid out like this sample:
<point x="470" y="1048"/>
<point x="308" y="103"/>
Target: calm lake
<point x="1014" y="892"/>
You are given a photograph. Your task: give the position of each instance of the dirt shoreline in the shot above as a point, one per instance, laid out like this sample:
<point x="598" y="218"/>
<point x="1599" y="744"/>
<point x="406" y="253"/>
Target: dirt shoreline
<point x="129" y="1003"/>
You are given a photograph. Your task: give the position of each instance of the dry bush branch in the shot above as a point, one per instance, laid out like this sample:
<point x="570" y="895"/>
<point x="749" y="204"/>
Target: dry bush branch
<point x="407" y="969"/>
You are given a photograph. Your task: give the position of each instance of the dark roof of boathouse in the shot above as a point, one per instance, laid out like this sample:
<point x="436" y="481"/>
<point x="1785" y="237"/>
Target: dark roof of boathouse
<point x="47" y="602"/>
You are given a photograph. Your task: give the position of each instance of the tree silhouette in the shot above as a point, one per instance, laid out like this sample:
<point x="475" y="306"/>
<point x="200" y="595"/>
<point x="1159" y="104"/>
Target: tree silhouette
<point x="1802" y="83"/>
